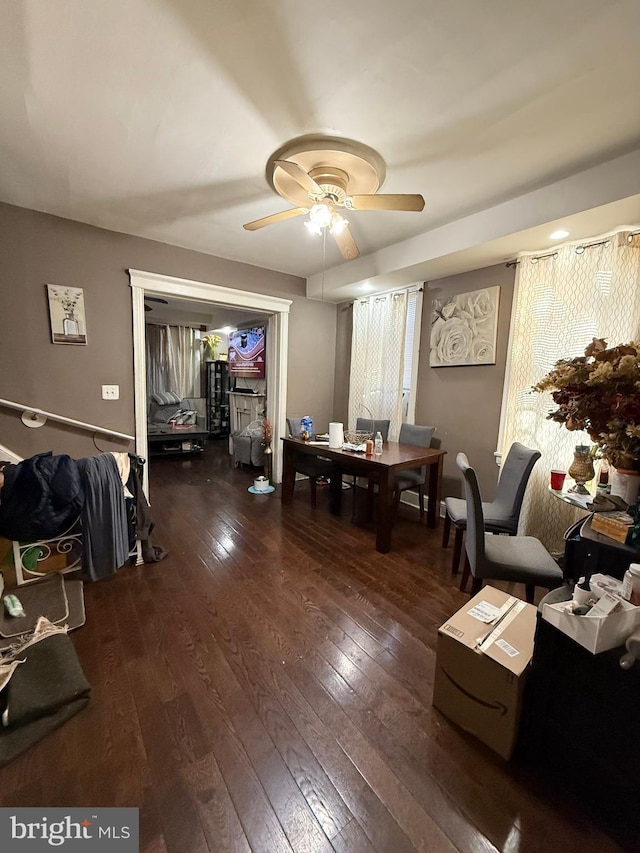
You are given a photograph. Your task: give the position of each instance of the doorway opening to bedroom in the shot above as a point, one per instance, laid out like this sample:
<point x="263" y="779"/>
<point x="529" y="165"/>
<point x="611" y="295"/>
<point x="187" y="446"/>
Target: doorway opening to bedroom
<point x="274" y="312"/>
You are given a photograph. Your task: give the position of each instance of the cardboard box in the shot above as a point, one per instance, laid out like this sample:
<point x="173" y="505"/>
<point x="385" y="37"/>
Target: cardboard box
<point x="615" y="525"/>
<point x="481" y="666"/>
<point x="595" y="633"/>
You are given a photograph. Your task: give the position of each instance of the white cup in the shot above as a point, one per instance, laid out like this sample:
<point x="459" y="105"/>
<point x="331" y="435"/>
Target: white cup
<point x="582" y="596"/>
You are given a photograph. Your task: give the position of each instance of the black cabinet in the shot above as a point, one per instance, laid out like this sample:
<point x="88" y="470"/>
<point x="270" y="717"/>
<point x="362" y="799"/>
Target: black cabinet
<point x="580" y="728"/>
<point x="588" y="552"/>
<point x="218" y="423"/>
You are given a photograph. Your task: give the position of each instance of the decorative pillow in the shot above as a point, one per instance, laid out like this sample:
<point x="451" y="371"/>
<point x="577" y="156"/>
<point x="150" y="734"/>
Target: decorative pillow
<point x="165" y="398"/>
<point x="163" y="414"/>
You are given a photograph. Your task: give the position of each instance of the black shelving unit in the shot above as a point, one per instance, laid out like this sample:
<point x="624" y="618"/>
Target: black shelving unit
<point x="218" y="422"/>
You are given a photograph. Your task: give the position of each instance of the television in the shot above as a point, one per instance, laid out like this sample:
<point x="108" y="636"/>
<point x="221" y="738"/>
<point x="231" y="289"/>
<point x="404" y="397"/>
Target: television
<point x="247" y="353"/>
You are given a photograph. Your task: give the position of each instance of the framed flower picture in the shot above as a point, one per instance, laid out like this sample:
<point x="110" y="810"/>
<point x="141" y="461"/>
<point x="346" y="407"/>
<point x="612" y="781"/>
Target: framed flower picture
<point x="66" y="313"/>
<point x="464" y="329"/>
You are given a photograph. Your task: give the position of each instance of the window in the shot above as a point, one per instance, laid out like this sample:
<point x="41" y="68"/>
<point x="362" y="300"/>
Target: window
<point x="562" y="301"/>
<point x="384" y="357"/>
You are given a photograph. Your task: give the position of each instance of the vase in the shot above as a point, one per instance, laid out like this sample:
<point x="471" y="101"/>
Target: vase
<point x="268" y="460"/>
<point x="626" y="485"/>
<point x="70" y="325"/>
<point x="581" y="469"/>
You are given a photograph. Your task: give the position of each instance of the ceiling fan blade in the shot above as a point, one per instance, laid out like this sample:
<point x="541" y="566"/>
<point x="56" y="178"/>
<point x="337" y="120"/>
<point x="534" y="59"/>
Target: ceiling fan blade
<point x="156" y="299"/>
<point x="298" y="174"/>
<point x="347" y="244"/>
<point x="275" y="217"/>
<point x="375" y="201"/>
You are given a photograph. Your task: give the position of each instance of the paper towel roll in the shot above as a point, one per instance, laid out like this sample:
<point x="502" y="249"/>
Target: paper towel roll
<point x="336" y="435"/>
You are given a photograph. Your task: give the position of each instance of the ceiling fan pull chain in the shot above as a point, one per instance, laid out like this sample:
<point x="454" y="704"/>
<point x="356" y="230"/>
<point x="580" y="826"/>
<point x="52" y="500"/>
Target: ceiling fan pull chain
<point x="324" y="254"/>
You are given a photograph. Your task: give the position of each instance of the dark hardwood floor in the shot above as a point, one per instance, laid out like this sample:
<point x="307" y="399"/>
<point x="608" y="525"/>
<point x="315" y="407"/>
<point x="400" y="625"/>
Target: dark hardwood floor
<point x="267" y="687"/>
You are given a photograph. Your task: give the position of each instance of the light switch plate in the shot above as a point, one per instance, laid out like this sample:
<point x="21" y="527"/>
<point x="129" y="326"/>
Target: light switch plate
<point x="110" y="392"/>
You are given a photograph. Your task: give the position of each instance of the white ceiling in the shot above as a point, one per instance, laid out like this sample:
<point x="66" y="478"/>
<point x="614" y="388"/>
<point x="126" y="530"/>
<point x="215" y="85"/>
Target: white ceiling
<point x="157" y="118"/>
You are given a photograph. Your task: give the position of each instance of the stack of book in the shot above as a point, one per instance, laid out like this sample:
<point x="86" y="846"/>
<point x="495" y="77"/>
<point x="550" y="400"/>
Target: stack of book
<point x="615" y="525"/>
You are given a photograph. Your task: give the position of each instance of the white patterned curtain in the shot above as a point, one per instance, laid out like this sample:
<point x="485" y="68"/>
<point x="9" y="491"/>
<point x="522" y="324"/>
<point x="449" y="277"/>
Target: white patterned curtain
<point x="377" y="360"/>
<point x="173" y="360"/>
<point x="157" y="359"/>
<point x="563" y="300"/>
<point x="184" y="361"/>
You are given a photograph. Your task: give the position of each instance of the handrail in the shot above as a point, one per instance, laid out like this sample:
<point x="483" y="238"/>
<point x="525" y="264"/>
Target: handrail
<point x="38" y="418"/>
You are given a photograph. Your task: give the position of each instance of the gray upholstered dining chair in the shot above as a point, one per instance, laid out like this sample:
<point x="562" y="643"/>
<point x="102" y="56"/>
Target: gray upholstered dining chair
<point x="311" y="466"/>
<point x="503" y="513"/>
<point x="374" y="426"/>
<point x="519" y="559"/>
<point x="419" y="436"/>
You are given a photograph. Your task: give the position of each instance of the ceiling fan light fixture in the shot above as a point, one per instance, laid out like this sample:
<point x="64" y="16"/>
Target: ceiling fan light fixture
<point x="313" y="228"/>
<point x="338" y="224"/>
<point x="320" y="215"/>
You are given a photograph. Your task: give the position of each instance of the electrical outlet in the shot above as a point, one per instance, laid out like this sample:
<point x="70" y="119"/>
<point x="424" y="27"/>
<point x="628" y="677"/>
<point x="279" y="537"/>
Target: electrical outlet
<point x="110" y="392"/>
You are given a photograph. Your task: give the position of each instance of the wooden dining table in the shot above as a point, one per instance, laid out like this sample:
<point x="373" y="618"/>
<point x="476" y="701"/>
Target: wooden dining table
<point x="382" y="469"/>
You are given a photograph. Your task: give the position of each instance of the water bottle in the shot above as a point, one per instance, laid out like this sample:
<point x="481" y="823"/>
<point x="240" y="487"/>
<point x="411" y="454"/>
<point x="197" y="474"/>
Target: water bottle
<point x="306" y="428"/>
<point x="631" y="584"/>
<point x="378" y="444"/>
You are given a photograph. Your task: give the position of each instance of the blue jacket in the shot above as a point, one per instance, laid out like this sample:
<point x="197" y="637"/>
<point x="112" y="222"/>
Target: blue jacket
<point x="41" y="498"/>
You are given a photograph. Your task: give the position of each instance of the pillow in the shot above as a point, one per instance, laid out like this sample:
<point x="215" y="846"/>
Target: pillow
<point x="165" y="398"/>
<point x="163" y="414"/>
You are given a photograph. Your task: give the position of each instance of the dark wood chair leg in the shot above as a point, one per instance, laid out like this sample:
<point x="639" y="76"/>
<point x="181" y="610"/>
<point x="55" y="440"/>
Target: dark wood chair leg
<point x="457" y="550"/>
<point x="313" y="488"/>
<point x="476" y="585"/>
<point x="530" y="591"/>
<point x="421" y="501"/>
<point x="465" y="574"/>
<point x="446" y="530"/>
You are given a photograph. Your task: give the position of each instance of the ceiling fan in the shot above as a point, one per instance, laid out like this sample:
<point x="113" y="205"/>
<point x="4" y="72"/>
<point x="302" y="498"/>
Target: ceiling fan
<point x="153" y="299"/>
<point x="322" y="175"/>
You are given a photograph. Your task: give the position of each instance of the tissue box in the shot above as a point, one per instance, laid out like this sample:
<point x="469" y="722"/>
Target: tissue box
<point x="615" y="525"/>
<point x="595" y="633"/>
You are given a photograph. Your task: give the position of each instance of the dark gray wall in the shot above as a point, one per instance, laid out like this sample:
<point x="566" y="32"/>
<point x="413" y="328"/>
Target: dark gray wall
<point x="344" y="328"/>
<point x="464" y="402"/>
<point x="38" y="249"/>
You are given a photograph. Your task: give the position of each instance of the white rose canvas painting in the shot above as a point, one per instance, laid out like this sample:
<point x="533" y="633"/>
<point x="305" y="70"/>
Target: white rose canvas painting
<point x="464" y="328"/>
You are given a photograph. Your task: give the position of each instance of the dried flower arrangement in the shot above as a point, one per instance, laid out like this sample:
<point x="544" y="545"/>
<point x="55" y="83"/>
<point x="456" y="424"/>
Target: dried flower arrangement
<point x="600" y="393"/>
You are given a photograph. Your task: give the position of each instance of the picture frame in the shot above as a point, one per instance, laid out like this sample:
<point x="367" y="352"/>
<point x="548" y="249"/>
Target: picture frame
<point x="464" y="329"/>
<point x="67" y="315"/>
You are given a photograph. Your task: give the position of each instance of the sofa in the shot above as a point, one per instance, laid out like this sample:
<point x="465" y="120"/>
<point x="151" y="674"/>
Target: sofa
<point x="167" y="409"/>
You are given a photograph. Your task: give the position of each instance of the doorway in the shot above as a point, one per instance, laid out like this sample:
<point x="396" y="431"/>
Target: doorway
<point x="154" y="284"/>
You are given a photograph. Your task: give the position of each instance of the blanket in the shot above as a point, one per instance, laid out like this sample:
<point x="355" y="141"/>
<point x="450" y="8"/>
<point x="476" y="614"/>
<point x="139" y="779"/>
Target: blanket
<point x="44" y="686"/>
